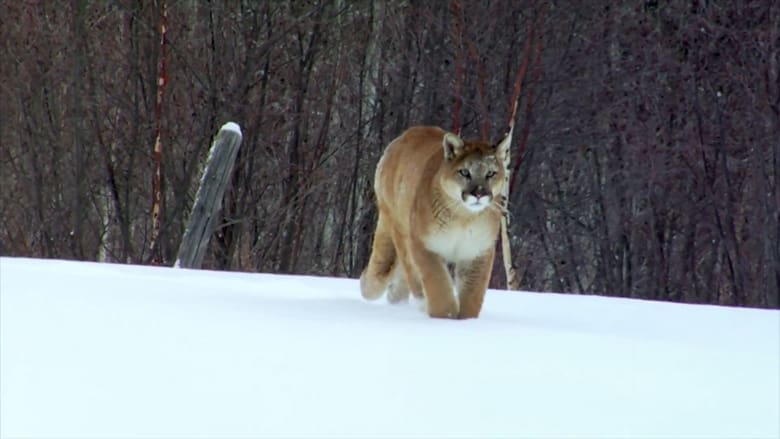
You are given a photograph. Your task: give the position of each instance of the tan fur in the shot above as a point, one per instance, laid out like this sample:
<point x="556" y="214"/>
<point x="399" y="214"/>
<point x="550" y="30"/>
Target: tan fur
<point x="428" y="219"/>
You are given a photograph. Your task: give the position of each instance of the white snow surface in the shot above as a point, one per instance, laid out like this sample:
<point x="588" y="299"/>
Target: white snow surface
<point x="101" y="350"/>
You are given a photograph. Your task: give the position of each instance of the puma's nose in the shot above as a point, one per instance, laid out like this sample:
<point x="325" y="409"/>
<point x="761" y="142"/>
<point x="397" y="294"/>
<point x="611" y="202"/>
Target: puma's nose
<point x="480" y="191"/>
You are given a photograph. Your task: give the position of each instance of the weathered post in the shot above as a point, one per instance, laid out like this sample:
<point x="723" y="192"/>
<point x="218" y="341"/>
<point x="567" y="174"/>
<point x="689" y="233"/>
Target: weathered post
<point x="208" y="200"/>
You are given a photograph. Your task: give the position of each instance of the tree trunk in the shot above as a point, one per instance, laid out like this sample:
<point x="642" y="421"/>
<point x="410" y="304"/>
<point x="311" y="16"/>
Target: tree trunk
<point x="208" y="200"/>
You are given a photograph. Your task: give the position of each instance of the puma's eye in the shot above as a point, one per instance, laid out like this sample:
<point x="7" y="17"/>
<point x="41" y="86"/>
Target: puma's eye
<point x="490" y="174"/>
<point x="465" y="173"/>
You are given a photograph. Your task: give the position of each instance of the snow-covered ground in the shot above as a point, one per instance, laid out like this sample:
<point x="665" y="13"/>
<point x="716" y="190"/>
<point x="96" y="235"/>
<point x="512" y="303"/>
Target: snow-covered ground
<point x="101" y="350"/>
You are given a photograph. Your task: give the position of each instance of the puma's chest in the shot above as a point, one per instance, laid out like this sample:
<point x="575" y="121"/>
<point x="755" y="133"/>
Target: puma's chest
<point x="462" y="242"/>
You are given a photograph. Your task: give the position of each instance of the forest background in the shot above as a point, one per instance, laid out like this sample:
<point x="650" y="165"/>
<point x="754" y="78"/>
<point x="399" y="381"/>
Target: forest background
<point x="646" y="156"/>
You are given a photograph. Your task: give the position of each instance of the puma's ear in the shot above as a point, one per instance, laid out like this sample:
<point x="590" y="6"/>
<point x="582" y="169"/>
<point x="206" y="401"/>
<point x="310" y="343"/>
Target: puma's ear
<point x="453" y="146"/>
<point x="502" y="149"/>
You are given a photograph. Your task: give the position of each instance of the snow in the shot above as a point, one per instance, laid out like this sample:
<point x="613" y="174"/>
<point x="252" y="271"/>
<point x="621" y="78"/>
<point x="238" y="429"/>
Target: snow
<point x="100" y="350"/>
<point x="231" y="126"/>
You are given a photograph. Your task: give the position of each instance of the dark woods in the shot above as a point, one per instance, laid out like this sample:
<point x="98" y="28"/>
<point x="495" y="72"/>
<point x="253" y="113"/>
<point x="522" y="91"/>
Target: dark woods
<point x="651" y="163"/>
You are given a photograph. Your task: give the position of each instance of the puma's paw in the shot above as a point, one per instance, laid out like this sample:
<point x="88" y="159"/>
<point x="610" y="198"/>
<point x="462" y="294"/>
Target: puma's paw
<point x="443" y="310"/>
<point x="419" y="303"/>
<point x="397" y="293"/>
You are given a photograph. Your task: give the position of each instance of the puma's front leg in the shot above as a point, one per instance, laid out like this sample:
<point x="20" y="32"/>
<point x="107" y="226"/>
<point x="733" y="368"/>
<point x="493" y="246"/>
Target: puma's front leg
<point x="472" y="278"/>
<point x="436" y="283"/>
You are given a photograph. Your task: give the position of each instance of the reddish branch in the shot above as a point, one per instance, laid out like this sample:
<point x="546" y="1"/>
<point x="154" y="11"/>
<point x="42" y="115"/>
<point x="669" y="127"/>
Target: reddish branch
<point x="531" y="50"/>
<point x="537" y="66"/>
<point x="515" y="100"/>
<point x="529" y="104"/>
<point x="534" y="35"/>
<point x="162" y="81"/>
<point x="460" y="68"/>
<point x="460" y="73"/>
<point x="485" y="126"/>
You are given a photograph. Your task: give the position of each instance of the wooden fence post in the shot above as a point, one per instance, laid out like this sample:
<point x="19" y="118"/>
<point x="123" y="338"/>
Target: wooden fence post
<point x="208" y="201"/>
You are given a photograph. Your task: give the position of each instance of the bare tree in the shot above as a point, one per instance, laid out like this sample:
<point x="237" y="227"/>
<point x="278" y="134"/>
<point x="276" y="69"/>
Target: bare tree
<point x="646" y="160"/>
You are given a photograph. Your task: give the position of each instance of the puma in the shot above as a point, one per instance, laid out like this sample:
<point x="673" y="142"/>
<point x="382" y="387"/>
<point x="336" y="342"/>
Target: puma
<point x="439" y="203"/>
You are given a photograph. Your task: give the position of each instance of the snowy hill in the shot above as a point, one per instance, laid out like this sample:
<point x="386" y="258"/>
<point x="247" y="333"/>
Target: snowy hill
<point x="100" y="350"/>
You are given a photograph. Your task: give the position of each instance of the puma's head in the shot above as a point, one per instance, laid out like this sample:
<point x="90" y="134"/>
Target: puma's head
<point x="473" y="172"/>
